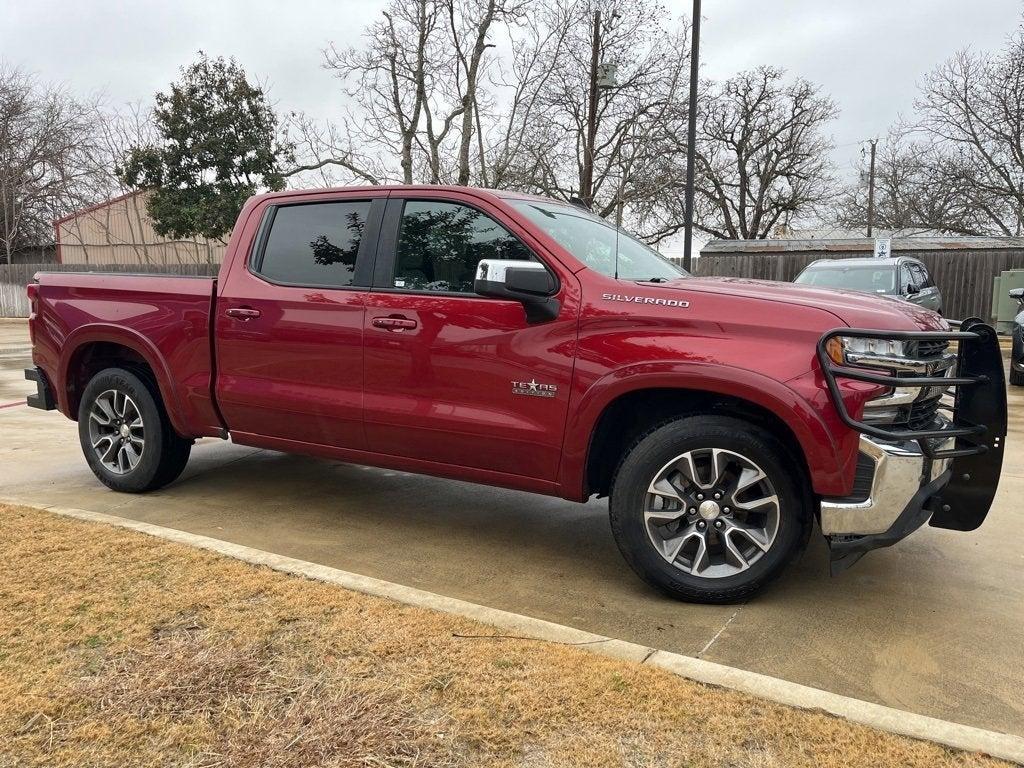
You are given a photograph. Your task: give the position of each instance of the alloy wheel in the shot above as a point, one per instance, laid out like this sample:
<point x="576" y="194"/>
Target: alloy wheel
<point x="711" y="513"/>
<point x="116" y="431"/>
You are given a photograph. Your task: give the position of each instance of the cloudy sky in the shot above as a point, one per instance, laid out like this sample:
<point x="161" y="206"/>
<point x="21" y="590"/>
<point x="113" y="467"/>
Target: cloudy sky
<point x="868" y="54"/>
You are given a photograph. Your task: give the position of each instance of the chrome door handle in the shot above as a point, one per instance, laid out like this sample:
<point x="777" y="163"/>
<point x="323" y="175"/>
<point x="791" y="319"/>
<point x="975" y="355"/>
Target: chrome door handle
<point x="242" y="313"/>
<point x="394" y="323"/>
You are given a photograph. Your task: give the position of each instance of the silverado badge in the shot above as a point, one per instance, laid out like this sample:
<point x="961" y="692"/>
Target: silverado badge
<point x="646" y="300"/>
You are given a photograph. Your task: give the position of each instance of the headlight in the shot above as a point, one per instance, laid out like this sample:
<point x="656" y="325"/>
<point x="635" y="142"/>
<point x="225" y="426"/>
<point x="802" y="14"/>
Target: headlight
<point x="889" y="356"/>
<point x="842" y="348"/>
<point x="873" y="347"/>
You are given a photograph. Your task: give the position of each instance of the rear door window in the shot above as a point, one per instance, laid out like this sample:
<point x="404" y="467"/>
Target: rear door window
<point x="314" y="244"/>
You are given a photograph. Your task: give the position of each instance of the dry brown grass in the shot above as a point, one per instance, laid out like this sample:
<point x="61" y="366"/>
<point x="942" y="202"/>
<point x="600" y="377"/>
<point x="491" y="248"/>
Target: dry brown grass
<point x="120" y="649"/>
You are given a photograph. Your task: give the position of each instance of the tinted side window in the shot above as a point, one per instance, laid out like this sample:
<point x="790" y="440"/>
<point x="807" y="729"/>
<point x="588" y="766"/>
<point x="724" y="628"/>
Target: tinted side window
<point x="315" y="244"/>
<point x="921" y="276"/>
<point x="906" y="278"/>
<point x="440" y="245"/>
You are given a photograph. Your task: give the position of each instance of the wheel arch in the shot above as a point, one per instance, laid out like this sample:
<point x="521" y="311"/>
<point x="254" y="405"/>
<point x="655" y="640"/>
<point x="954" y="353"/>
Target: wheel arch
<point x="91" y="348"/>
<point x="624" y="404"/>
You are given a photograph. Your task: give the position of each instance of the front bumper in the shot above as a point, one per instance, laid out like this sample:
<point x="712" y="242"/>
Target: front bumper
<point x="946" y="473"/>
<point x="903" y="487"/>
<point x="897" y="471"/>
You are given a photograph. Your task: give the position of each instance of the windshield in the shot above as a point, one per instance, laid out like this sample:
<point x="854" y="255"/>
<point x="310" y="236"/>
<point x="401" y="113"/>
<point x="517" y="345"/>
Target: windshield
<point x="880" y="279"/>
<point x="593" y="240"/>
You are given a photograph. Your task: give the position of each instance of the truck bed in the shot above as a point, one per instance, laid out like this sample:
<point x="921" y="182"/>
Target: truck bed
<point x="78" y="315"/>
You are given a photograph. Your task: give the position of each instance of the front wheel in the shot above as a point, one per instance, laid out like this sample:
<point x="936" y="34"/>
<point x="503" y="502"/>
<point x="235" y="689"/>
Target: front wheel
<point x="708" y="508"/>
<point x="126" y="436"/>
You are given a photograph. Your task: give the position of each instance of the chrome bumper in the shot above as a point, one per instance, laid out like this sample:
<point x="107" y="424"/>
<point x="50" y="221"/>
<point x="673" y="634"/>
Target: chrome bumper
<point x="900" y="470"/>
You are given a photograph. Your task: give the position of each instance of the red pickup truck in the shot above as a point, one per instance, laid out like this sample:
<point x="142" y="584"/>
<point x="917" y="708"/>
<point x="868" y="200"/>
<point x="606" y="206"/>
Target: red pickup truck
<point x="518" y="341"/>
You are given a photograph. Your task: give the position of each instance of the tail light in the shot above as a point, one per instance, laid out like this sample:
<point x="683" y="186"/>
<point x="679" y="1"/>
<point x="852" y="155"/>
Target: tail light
<point x="32" y="289"/>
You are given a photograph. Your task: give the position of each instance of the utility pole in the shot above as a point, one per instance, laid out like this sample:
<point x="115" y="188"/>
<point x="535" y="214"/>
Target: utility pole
<point x="587" y="177"/>
<point x="691" y="136"/>
<point x="871" y="190"/>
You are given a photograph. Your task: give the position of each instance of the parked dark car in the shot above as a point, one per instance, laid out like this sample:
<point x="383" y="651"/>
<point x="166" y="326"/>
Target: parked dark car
<point x="901" y="277"/>
<point x="1017" y="355"/>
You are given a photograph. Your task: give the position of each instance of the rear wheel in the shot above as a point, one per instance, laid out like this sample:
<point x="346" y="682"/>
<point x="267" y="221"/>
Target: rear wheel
<point x="708" y="509"/>
<point x="125" y="434"/>
<point x="1016" y="378"/>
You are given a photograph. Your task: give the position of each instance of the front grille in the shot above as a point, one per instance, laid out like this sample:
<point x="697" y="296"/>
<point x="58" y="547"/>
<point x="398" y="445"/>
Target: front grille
<point x="923" y="412"/>
<point x="925" y="350"/>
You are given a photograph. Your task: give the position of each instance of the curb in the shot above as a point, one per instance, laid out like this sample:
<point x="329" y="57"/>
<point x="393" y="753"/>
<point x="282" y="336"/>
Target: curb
<point x="963" y="737"/>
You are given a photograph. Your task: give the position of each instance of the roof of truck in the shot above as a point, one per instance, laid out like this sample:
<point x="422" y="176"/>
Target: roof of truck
<point x="482" y="191"/>
<point x="494" y="194"/>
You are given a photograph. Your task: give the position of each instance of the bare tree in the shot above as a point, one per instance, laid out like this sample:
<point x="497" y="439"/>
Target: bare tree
<point x="415" y="86"/>
<point x="424" y="92"/>
<point x="957" y="166"/>
<point x="47" y="159"/>
<point x="476" y="16"/>
<point x="763" y="159"/>
<point x="511" y="138"/>
<point x="389" y="79"/>
<point x="118" y="131"/>
<point x="919" y="186"/>
<point x="972" y="107"/>
<point x="322" y="148"/>
<point x="639" y="155"/>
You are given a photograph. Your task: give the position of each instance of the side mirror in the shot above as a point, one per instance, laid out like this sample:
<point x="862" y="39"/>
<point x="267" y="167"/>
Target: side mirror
<point x="1017" y="293"/>
<point x="527" y="282"/>
<point x="912" y="289"/>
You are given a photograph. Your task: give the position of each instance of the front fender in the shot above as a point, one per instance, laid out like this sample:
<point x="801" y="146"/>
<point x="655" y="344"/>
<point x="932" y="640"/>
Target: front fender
<point x="133" y="340"/>
<point x="830" y="460"/>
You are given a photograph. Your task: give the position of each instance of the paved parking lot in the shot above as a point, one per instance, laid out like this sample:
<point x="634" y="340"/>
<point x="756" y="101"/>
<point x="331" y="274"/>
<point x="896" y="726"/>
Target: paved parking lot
<point x="934" y="625"/>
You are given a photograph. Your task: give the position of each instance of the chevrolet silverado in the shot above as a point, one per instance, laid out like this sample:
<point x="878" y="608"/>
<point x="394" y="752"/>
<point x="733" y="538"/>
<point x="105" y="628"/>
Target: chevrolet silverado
<point x="517" y="341"/>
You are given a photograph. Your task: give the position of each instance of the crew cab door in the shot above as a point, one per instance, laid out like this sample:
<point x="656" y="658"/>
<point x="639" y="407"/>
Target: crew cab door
<point x="289" y="322"/>
<point x="451" y="377"/>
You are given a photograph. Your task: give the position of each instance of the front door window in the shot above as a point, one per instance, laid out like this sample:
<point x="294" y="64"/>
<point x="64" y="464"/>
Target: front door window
<point x="440" y="245"/>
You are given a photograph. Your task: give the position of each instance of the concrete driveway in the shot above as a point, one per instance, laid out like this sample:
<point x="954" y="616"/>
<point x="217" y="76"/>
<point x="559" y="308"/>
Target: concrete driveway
<point x="934" y="625"/>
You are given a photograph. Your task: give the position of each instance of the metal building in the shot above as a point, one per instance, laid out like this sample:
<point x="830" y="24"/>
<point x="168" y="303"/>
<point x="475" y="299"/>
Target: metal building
<point x="120" y="231"/>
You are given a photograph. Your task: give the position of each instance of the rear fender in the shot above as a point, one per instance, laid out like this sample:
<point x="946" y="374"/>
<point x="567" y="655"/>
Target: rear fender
<point x="100" y="332"/>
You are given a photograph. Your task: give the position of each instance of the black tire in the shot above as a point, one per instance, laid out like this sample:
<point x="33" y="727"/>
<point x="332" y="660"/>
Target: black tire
<point x="653" y="452"/>
<point x="1016" y="377"/>
<point x="164" y="453"/>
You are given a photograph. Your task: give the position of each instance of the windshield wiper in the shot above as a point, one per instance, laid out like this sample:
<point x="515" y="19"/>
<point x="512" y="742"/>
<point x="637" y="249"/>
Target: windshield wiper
<point x="653" y="280"/>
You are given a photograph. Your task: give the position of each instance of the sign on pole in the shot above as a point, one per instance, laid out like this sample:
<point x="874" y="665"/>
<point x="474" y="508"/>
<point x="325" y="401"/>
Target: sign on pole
<point x="883" y="247"/>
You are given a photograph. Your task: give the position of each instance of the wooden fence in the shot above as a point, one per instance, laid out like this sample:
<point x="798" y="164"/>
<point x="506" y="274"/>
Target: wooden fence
<point x="14" y="278"/>
<point x="964" y="276"/>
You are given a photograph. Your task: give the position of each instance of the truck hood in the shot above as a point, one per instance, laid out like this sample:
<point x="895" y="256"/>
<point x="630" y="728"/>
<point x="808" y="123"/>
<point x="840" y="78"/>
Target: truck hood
<point x="852" y="308"/>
